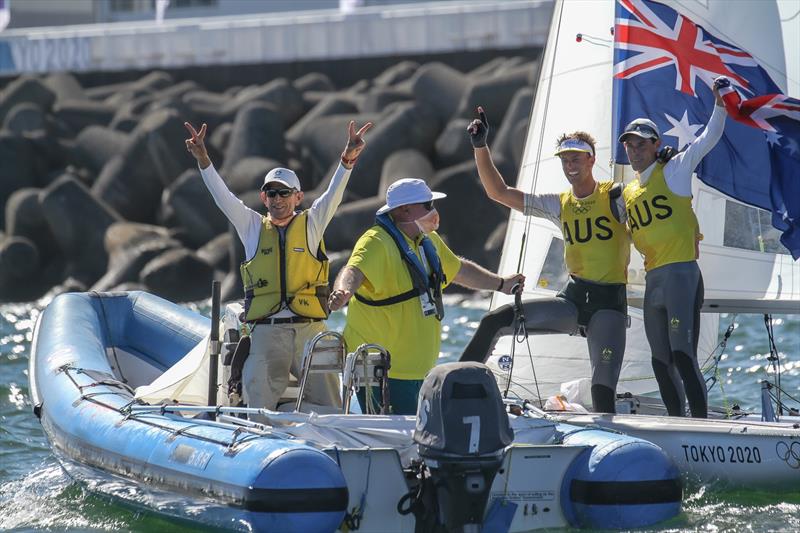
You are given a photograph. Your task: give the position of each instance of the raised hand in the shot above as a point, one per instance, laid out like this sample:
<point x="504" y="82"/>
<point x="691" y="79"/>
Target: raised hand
<point x="720" y="83"/>
<point x="665" y="154"/>
<point x="196" y="145"/>
<point x="478" y="130"/>
<point x="355" y="143"/>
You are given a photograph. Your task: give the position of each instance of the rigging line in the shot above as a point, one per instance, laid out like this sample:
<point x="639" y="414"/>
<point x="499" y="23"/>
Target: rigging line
<point x="518" y="385"/>
<point x="790" y="396"/>
<point x="790" y="18"/>
<point x="716" y="377"/>
<point x="774" y="357"/>
<point x="720" y="346"/>
<point x="527" y="226"/>
<point x="597" y="41"/>
<point x="551" y="74"/>
<point x="533" y="368"/>
<point x="791" y="411"/>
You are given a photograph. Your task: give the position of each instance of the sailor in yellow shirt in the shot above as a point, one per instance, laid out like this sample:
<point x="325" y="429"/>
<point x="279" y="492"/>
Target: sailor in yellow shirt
<point x="596" y="251"/>
<point x="396" y="272"/>
<point x="664" y="230"/>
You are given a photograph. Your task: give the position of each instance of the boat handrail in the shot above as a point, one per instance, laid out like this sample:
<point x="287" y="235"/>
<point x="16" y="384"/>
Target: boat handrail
<point x="308" y="355"/>
<point x="371" y="355"/>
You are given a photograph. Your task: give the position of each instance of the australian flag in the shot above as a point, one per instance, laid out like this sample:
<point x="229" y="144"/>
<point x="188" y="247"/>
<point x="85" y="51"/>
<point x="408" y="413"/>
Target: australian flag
<point x="664" y="67"/>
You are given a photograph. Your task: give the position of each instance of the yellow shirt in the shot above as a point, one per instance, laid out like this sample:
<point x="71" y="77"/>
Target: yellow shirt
<point x="412" y="339"/>
<point x="663" y="225"/>
<point x="596" y="246"/>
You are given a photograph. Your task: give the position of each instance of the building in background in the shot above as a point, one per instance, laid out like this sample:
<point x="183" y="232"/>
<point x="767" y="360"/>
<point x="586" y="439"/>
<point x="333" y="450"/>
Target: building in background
<point x="366" y="29"/>
<point x="36" y="13"/>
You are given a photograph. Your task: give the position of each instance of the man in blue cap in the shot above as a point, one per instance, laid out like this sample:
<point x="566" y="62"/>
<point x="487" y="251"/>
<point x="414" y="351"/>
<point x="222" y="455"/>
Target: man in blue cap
<point x="665" y="231"/>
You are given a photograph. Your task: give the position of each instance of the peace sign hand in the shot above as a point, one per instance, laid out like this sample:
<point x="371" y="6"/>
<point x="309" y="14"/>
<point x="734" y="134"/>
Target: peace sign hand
<point x="196" y="145"/>
<point x="355" y="143"/>
<point x="478" y="130"/>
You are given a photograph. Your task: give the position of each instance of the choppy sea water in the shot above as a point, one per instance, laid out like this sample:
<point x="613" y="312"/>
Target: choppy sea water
<point x="36" y="495"/>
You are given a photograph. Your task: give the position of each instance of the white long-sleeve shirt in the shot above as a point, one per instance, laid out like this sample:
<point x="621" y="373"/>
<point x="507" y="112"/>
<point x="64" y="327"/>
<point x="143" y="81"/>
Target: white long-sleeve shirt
<point x="678" y="170"/>
<point x="248" y="222"/>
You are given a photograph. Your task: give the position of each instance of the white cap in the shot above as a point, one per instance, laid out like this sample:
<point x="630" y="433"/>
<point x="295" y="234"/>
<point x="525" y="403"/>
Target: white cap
<point x="408" y="191"/>
<point x="284" y="176"/>
<point x="574" y="145"/>
<point x="641" y="127"/>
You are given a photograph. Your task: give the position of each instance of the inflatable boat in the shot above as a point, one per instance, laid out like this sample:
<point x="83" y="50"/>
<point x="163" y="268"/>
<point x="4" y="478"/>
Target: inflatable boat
<point x="308" y="472"/>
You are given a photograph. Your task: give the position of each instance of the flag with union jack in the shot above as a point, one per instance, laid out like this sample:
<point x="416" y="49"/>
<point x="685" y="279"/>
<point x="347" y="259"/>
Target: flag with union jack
<point x="664" y="67"/>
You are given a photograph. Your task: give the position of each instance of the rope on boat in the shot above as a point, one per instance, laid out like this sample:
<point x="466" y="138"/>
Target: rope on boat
<point x="129" y="412"/>
<point x="775" y="359"/>
<point x="715" y="377"/>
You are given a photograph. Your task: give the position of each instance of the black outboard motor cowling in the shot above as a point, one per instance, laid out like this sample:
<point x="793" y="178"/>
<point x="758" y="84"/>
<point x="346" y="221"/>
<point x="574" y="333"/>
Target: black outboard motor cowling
<point x="462" y="432"/>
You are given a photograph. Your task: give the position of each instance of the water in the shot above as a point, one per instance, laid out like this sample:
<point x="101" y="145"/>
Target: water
<point x="36" y="495"/>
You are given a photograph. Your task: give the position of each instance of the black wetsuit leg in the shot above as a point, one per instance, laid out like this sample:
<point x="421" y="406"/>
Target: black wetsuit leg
<point x="605" y="337"/>
<point x="492" y="325"/>
<point x="687" y="363"/>
<point x="656" y="326"/>
<point x="549" y="315"/>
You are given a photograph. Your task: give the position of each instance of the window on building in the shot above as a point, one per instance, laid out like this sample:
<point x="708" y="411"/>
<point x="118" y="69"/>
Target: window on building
<point x="193" y="3"/>
<point x="125" y="5"/>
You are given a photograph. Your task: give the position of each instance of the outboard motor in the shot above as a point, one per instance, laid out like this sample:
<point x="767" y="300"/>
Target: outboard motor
<point x="462" y="432"/>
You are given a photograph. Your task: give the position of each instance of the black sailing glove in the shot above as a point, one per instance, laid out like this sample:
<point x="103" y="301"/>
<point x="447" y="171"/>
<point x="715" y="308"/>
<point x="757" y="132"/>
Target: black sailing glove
<point x="478" y="130"/>
<point x="665" y="154"/>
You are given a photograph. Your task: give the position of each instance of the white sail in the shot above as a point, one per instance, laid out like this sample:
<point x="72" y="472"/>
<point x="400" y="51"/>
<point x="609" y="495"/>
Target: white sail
<point x="574" y="93"/>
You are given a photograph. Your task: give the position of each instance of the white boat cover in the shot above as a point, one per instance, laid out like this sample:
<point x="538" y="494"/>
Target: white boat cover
<point x="381" y="431"/>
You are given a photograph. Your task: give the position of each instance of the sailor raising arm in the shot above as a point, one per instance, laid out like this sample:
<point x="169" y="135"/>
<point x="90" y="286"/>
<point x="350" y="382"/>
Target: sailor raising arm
<point x="664" y="229"/>
<point x="596" y="252"/>
<point x="285" y="272"/>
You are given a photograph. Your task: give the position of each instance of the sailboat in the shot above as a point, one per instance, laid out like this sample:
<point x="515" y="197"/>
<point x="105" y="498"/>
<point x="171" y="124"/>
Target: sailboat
<point x="745" y="268"/>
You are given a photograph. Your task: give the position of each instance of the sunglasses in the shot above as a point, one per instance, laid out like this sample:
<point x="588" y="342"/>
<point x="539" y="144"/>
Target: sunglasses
<point x="428" y="205"/>
<point x="283" y="193"/>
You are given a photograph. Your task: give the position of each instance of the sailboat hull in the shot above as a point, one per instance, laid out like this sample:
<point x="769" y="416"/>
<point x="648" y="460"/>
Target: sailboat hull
<point x="735" y="453"/>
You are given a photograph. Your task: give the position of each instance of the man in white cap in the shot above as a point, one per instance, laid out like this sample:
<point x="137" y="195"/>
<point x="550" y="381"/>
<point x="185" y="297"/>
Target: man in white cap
<point x="285" y="272"/>
<point x="397" y="271"/>
<point x="596" y="252"/>
<point x="665" y="231"/>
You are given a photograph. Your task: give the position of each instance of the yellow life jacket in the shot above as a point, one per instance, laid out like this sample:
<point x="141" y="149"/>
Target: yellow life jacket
<point x="596" y="244"/>
<point x="663" y="225"/>
<point x="287" y="274"/>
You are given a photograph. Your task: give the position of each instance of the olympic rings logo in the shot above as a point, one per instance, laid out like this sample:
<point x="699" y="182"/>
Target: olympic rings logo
<point x="581" y="209"/>
<point x="789" y="453"/>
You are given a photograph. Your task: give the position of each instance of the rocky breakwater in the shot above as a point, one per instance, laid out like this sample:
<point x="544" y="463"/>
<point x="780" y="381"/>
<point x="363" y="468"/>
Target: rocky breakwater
<point x="99" y="193"/>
